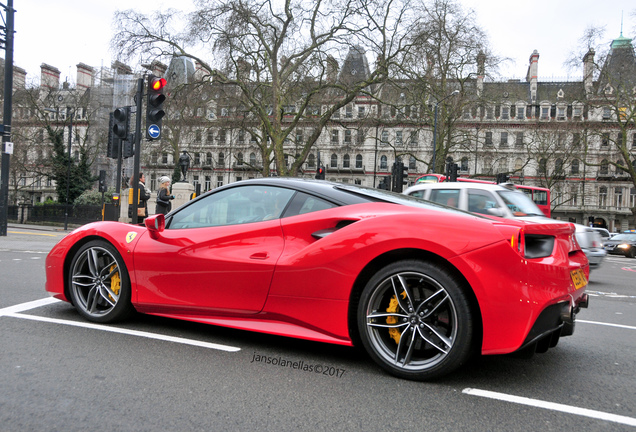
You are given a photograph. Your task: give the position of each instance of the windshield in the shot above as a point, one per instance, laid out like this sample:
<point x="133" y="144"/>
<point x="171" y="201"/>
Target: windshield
<point x="628" y="237"/>
<point x="519" y="204"/>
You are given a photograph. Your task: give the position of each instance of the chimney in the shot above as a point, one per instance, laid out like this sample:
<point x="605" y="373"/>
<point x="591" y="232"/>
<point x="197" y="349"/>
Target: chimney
<point x="157" y="68"/>
<point x="120" y="68"/>
<point x="50" y="77"/>
<point x="588" y="70"/>
<point x="533" y="74"/>
<point x="85" y="76"/>
<point x="481" y="71"/>
<point x="19" y="78"/>
<point x="332" y="69"/>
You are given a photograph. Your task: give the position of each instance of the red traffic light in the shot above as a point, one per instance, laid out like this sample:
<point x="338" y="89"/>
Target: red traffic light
<point x="158" y="83"/>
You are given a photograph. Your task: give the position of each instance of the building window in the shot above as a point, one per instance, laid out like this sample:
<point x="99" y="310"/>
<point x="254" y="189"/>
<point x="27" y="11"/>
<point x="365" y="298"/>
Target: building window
<point x="519" y="139"/>
<point x="618" y="198"/>
<point x="505" y="113"/>
<point x="208" y="158"/>
<point x="164" y="158"/>
<point x="620" y="139"/>
<point x="197" y="158"/>
<point x="632" y="197"/>
<point x="466" y="113"/>
<point x="221" y="162"/>
<point x="602" y="197"/>
<point x="383" y="163"/>
<point x="347" y="136"/>
<point x="545" y="113"/>
<point x="346" y="161"/>
<point x="604" y="170"/>
<point x="574" y="168"/>
<point x="349" y="111"/>
<point x="542" y="166"/>
<point x="488" y="141"/>
<point x="359" y="161"/>
<point x="360" y="112"/>
<point x="210" y="136"/>
<point x="574" y="195"/>
<point x="222" y="136"/>
<point x="576" y="112"/>
<point x="208" y="183"/>
<point x="335" y="138"/>
<point x="197" y="135"/>
<point x="560" y="113"/>
<point x="576" y="140"/>
<point x="504" y="139"/>
<point x="489" y="113"/>
<point x="521" y="112"/>
<point x="463" y="167"/>
<point x="607" y="113"/>
<point x="412" y="163"/>
<point x="334" y="161"/>
<point x="253" y="159"/>
<point x="239" y="158"/>
<point x="219" y="181"/>
<point x="558" y="167"/>
<point x="311" y="161"/>
<point x="385" y="137"/>
<point x="634" y="140"/>
<point x="398" y="138"/>
<point x="414" y="138"/>
<point x="241" y="136"/>
<point x="605" y="139"/>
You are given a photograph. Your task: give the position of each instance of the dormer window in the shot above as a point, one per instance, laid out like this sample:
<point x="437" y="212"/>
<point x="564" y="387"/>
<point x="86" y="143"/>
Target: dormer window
<point x="607" y="113"/>
<point x="505" y="113"/>
<point x="560" y="113"/>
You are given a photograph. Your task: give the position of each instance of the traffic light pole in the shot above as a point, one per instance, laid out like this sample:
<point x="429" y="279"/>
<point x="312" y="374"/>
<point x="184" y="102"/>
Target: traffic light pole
<point x="137" y="156"/>
<point x="8" y="104"/>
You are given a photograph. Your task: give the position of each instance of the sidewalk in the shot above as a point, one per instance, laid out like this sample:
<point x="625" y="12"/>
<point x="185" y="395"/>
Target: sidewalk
<point x="16" y="226"/>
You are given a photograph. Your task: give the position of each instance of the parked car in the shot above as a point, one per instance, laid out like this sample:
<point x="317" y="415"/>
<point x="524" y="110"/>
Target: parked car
<point x="506" y="202"/>
<point x="622" y="244"/>
<point x="334" y="263"/>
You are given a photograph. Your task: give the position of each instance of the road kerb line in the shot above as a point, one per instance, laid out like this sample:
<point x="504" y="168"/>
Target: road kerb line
<point x="569" y="409"/>
<point x="126" y="332"/>
<point x="606" y="324"/>
<point x="28" y="305"/>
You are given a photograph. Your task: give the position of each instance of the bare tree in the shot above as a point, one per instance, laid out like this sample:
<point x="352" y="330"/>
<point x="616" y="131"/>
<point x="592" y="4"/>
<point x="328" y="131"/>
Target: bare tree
<point x="276" y="61"/>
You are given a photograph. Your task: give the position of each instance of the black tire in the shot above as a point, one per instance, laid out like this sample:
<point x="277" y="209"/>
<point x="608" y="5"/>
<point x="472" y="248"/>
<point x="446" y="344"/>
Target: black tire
<point x="631" y="252"/>
<point x="98" y="282"/>
<point x="425" y="306"/>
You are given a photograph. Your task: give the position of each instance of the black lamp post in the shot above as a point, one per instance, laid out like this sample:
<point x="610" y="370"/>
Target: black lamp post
<point x="70" y="113"/>
<point x="435" y="126"/>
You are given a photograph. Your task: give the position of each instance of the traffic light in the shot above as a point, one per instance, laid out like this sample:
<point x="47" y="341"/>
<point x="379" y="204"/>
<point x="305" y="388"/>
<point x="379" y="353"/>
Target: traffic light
<point x="502" y="178"/>
<point x="453" y="172"/>
<point x="113" y="140"/>
<point x="401" y="176"/>
<point x="121" y="122"/>
<point x="102" y="181"/>
<point x="128" y="148"/>
<point x="320" y="173"/>
<point x="154" y="107"/>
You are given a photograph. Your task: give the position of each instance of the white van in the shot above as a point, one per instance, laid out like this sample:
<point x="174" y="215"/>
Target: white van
<point x="490" y="199"/>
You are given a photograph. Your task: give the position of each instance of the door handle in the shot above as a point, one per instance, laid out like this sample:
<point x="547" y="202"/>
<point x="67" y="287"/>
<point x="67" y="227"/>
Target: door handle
<point x="259" y="255"/>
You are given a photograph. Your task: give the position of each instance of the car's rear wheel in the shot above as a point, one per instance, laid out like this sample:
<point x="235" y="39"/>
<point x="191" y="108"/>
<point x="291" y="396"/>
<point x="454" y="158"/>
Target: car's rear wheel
<point x="415" y="320"/>
<point x="99" y="285"/>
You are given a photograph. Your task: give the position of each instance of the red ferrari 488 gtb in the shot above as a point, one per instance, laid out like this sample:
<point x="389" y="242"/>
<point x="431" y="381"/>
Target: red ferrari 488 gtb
<point x="420" y="286"/>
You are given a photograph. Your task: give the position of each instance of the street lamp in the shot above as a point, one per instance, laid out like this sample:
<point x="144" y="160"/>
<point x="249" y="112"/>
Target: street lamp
<point x="455" y="92"/>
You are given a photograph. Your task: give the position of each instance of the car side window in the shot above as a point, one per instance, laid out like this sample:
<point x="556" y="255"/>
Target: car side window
<point x="448" y="197"/>
<point x="418" y="193"/>
<point x="305" y="203"/>
<point x="233" y="206"/>
<point x="480" y="201"/>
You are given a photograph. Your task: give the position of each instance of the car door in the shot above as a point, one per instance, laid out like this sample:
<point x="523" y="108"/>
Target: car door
<point x="216" y="254"/>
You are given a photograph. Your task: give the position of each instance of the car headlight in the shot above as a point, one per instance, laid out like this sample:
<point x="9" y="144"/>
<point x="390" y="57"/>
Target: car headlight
<point x="623" y="246"/>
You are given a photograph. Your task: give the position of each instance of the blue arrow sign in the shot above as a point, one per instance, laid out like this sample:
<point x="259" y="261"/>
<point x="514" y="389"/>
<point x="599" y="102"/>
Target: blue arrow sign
<point x="154" y="131"/>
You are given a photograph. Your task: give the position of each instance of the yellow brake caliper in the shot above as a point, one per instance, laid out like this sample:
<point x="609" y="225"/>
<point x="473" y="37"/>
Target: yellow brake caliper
<point x="115" y="282"/>
<point x="393" y="308"/>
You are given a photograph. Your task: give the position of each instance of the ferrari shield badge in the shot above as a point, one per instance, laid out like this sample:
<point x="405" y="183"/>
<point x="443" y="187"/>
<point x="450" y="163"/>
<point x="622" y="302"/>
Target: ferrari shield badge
<point x="130" y="236"/>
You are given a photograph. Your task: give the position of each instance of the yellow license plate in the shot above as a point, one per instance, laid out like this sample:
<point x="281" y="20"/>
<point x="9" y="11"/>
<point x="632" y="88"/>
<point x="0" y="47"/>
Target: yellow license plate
<point x="578" y="277"/>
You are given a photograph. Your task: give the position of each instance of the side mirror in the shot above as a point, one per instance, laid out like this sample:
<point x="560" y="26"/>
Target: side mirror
<point x="155" y="224"/>
<point x="496" y="211"/>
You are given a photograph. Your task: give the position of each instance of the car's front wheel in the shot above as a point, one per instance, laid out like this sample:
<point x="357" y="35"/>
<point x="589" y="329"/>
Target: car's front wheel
<point x="415" y="320"/>
<point x="631" y="252"/>
<point x="99" y="285"/>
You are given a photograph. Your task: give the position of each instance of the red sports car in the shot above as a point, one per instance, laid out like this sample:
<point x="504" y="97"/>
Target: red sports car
<point x="420" y="286"/>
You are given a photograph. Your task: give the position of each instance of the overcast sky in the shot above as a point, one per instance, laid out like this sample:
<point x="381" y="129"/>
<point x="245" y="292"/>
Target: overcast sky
<point x="63" y="33"/>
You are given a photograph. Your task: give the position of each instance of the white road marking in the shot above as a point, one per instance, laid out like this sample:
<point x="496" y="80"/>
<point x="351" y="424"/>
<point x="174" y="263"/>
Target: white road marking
<point x="569" y="409"/>
<point x="13" y="311"/>
<point x="606" y="324"/>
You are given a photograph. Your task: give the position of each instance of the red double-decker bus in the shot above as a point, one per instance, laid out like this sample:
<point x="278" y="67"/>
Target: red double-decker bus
<point x="540" y="196"/>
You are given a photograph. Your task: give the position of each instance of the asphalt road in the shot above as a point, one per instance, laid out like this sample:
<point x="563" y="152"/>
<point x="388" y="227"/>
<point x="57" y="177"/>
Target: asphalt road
<point x="60" y="374"/>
